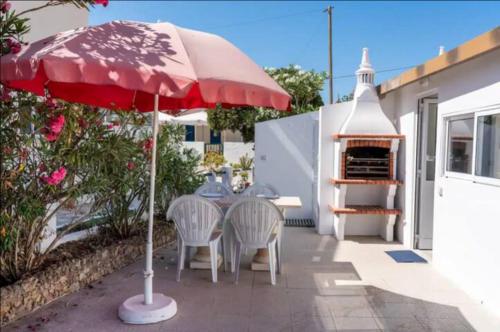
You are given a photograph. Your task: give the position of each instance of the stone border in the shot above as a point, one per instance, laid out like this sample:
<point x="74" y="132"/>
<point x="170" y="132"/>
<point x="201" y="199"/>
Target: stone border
<point x="59" y="279"/>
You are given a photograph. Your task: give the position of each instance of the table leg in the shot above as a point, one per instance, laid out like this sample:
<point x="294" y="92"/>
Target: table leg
<point x="201" y="259"/>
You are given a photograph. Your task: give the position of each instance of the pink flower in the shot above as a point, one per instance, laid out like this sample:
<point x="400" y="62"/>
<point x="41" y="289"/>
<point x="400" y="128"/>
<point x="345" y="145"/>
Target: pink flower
<point x="56" y="177"/>
<point x="130" y="165"/>
<point x="51" y="103"/>
<point x="56" y="124"/>
<point x="51" y="137"/>
<point x="148" y="144"/>
<point x="101" y="2"/>
<point x="15" y="46"/>
<point x="5" y="6"/>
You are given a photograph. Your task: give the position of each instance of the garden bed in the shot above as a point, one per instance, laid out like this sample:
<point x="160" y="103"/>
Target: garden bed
<point x="72" y="266"/>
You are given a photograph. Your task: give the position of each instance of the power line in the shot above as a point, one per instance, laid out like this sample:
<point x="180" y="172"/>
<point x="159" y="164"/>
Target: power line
<point x="378" y="71"/>
<point x="305" y="49"/>
<point x="263" y="19"/>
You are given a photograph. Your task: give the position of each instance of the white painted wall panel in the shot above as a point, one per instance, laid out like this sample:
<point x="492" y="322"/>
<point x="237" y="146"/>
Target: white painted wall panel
<point x="284" y="153"/>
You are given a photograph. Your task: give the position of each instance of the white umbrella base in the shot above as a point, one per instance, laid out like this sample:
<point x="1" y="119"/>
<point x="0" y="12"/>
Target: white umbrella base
<point x="134" y="311"/>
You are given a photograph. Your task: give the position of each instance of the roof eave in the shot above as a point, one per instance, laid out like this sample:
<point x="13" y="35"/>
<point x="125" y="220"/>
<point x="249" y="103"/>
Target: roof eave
<point x="481" y="44"/>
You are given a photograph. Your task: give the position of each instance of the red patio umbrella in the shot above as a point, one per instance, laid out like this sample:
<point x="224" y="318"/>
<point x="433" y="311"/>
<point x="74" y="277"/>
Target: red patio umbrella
<point x="144" y="67"/>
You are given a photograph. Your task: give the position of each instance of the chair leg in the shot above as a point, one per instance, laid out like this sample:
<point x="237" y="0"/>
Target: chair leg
<point x="278" y="255"/>
<point x="213" y="259"/>
<point x="187" y="257"/>
<point x="180" y="259"/>
<point x="237" y="262"/>
<point x="233" y="245"/>
<point x="278" y="248"/>
<point x="272" y="261"/>
<point x="223" y="253"/>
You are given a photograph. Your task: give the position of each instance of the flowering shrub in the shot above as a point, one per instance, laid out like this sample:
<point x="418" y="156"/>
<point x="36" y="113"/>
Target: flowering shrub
<point x="177" y="170"/>
<point x="126" y="176"/>
<point x="47" y="159"/>
<point x="213" y="161"/>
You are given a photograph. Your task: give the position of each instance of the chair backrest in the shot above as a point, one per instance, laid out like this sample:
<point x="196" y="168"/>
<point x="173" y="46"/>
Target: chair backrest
<point x="253" y="220"/>
<point x="214" y="188"/>
<point x="260" y="189"/>
<point x="195" y="218"/>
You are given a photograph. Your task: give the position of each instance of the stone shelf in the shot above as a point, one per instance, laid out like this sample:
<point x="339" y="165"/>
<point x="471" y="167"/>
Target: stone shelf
<point x="367" y="136"/>
<point x="383" y="182"/>
<point x="364" y="209"/>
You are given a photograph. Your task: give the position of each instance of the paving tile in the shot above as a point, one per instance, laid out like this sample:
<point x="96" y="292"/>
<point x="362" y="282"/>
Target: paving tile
<point x="407" y="324"/>
<point x="262" y="279"/>
<point x="355" y="323"/>
<point x="270" y="323"/>
<point x="444" y="325"/>
<point x="231" y="323"/>
<point x="350" y="306"/>
<point x="233" y="301"/>
<point x="269" y="301"/>
<point x="307" y="303"/>
<point x="313" y="324"/>
<point x="395" y="310"/>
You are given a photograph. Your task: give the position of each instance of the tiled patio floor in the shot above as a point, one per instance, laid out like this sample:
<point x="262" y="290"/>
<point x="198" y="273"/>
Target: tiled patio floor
<point x="325" y="286"/>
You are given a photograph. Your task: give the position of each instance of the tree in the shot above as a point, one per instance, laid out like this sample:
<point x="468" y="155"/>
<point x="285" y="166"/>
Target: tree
<point x="304" y="87"/>
<point x="345" y="98"/>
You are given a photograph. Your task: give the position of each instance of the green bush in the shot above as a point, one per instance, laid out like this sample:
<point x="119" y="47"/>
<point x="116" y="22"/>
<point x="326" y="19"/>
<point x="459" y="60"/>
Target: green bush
<point x="213" y="161"/>
<point x="178" y="169"/>
<point x="246" y="162"/>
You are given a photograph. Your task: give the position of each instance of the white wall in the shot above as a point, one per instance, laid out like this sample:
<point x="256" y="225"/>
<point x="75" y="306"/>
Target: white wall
<point x="331" y="118"/>
<point x="284" y="158"/>
<point x="234" y="150"/>
<point x="467" y="214"/>
<point x="198" y="146"/>
<point x="51" y="20"/>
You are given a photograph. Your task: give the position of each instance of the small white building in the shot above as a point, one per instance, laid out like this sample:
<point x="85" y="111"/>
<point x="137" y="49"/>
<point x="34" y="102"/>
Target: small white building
<point x="442" y="120"/>
<point x="202" y="138"/>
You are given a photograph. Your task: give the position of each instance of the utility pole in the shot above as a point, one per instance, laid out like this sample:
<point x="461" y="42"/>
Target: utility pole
<point x="329" y="10"/>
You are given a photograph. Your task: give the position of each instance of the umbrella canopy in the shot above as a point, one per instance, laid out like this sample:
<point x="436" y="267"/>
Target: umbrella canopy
<point x="122" y="65"/>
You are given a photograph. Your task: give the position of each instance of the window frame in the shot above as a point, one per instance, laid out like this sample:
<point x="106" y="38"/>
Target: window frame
<point x="479" y="178"/>
<point x="475" y="114"/>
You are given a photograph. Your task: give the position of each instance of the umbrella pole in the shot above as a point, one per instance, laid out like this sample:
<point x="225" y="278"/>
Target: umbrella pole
<point x="149" y="308"/>
<point x="148" y="270"/>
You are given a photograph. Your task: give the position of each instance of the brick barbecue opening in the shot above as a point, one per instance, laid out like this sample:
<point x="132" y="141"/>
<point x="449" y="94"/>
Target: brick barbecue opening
<point x="370" y="160"/>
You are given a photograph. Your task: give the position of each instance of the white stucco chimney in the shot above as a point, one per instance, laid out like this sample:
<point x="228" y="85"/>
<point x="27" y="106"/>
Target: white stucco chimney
<point x="366" y="116"/>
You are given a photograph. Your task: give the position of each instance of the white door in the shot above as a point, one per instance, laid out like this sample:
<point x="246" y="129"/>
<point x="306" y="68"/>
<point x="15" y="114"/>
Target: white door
<point x="426" y="162"/>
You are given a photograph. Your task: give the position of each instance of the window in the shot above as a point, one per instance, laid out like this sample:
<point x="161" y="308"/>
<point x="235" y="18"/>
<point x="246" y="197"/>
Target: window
<point x="460" y="144"/>
<point x="488" y="146"/>
<point x="189" y="133"/>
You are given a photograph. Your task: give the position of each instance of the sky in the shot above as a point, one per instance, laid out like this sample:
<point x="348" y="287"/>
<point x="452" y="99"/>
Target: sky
<point x="399" y="34"/>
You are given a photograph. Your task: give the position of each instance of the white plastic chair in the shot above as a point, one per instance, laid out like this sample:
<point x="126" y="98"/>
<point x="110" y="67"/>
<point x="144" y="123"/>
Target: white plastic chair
<point x="254" y="221"/>
<point x="196" y="219"/>
<point x="214" y="188"/>
<point x="258" y="190"/>
<point x="267" y="191"/>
